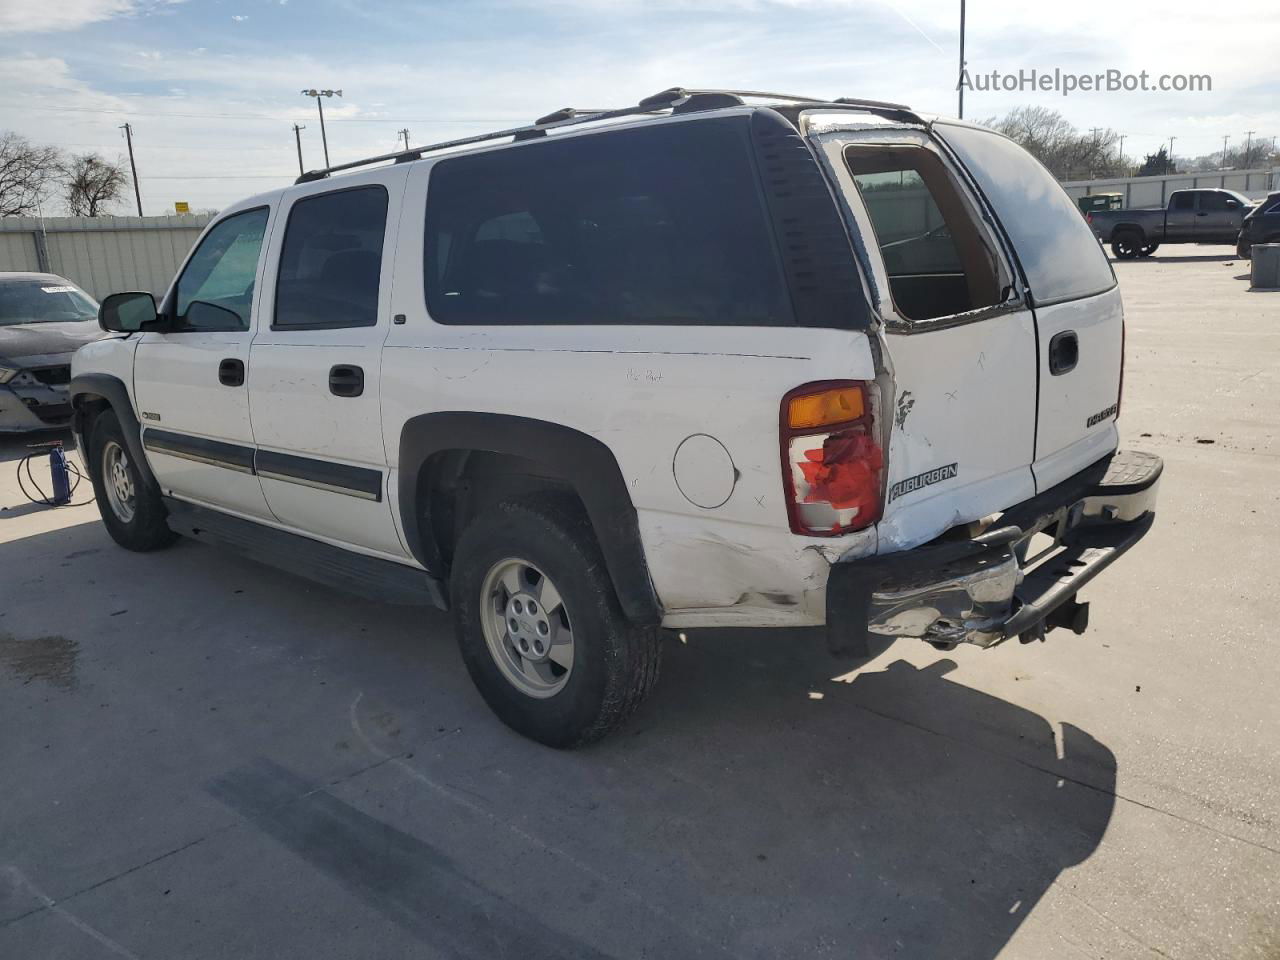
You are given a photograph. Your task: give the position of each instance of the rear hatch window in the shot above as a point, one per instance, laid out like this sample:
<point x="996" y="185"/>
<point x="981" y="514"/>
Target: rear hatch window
<point x="1058" y="252"/>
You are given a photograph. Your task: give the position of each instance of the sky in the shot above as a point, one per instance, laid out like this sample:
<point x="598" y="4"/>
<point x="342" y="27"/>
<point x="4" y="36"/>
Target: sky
<point x="212" y="87"/>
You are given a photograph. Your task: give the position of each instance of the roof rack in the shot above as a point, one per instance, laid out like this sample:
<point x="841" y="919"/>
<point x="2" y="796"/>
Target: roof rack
<point x="675" y="99"/>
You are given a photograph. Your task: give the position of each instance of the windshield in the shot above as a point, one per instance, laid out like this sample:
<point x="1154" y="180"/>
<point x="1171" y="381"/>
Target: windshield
<point x="43" y="301"/>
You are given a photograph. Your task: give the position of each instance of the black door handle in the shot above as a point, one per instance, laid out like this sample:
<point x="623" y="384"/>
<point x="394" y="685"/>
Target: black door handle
<point x="231" y="372"/>
<point x="346" y="380"/>
<point x="1202" y="213"/>
<point x="1064" y="352"/>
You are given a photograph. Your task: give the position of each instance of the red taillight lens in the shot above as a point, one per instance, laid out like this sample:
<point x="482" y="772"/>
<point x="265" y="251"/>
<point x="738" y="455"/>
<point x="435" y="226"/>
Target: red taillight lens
<point x="1088" y="218"/>
<point x="832" y="465"/>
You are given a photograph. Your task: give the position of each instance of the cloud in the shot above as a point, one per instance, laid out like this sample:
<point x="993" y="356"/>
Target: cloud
<point x="239" y="17"/>
<point x="24" y="16"/>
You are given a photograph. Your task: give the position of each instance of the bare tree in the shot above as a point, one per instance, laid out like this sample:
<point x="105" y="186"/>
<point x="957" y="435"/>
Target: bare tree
<point x="1054" y="141"/>
<point x="27" y="172"/>
<point x="92" y="183"/>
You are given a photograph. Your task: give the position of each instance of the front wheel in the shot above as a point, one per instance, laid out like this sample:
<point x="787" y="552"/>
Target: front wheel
<point x="540" y="628"/>
<point x="132" y="512"/>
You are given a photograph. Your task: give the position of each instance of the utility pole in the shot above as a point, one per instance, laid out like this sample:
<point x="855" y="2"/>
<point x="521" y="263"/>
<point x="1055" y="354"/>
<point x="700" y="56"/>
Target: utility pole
<point x="405" y="133"/>
<point x="319" y="97"/>
<point x="1122" y="151"/>
<point x="1248" y="144"/>
<point x="960" y="84"/>
<point x="128" y="136"/>
<point x="297" y="135"/>
<point x="1169" y="161"/>
<point x="1224" y="152"/>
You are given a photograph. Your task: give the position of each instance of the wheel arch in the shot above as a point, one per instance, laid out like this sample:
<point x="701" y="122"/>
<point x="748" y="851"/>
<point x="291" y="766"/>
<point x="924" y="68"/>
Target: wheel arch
<point x="435" y="448"/>
<point x="91" y="394"/>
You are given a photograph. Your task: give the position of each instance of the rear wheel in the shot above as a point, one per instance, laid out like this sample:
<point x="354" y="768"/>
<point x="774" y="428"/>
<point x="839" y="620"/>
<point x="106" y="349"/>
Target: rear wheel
<point x="1148" y="249"/>
<point x="540" y="628"/>
<point x="132" y="512"/>
<point x="1127" y="246"/>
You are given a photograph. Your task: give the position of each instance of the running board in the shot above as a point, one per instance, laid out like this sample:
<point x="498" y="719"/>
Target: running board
<point x="368" y="577"/>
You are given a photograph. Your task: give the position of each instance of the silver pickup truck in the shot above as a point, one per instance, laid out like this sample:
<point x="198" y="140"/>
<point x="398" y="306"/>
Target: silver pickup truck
<point x="1192" y="216"/>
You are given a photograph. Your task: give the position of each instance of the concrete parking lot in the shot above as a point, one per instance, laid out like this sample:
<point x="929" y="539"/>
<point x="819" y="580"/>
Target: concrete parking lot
<point x="201" y="757"/>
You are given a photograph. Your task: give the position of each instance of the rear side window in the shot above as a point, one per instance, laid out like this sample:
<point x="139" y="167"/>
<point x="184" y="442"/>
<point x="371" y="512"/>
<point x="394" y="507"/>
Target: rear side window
<point x="1062" y="258"/>
<point x="662" y="225"/>
<point x="331" y="260"/>
<point x="1183" y="201"/>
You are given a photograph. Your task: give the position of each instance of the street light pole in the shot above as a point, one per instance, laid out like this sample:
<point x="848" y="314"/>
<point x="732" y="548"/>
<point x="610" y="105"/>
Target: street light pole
<point x="960" y="84"/>
<point x="297" y="135"/>
<point x="319" y="94"/>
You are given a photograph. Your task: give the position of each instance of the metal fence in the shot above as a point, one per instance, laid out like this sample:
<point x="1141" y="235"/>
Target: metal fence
<point x="1154" y="191"/>
<point x="101" y="254"/>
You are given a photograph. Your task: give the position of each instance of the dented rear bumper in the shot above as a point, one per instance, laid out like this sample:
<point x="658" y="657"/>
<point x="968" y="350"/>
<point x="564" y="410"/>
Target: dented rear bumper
<point x="988" y="588"/>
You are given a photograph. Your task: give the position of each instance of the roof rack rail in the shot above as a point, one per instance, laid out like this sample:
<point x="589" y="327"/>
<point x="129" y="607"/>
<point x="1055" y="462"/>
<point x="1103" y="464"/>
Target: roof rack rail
<point x="676" y="99"/>
<point x="569" y="117"/>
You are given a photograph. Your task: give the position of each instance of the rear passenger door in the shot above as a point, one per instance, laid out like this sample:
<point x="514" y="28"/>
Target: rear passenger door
<point x="1180" y="218"/>
<point x="316" y="361"/>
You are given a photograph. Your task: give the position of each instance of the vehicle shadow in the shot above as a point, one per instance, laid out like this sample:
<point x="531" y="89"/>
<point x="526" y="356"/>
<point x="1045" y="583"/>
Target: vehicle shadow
<point x="901" y="812"/>
<point x="1174" y="258"/>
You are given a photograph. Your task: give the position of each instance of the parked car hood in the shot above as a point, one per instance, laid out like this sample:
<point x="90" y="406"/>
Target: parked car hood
<point x="39" y="339"/>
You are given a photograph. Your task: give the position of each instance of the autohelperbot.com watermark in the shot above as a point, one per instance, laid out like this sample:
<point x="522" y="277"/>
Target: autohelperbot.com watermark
<point x="1065" y="82"/>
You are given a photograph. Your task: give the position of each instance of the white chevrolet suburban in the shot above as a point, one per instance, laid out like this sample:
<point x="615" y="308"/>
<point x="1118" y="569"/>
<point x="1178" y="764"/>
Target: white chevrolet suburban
<point x="721" y="359"/>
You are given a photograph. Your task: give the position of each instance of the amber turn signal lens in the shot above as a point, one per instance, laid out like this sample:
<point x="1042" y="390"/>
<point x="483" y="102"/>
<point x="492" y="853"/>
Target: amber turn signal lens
<point x="838" y="405"/>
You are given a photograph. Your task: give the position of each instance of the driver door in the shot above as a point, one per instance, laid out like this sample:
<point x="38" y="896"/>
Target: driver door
<point x="189" y="382"/>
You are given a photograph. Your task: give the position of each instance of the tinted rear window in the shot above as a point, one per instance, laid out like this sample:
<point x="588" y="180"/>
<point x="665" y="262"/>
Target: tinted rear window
<point x="1058" y="251"/>
<point x="661" y="225"/>
<point x="331" y="260"/>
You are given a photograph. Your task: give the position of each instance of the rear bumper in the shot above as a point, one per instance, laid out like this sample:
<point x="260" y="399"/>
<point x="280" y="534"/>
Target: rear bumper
<point x="986" y="589"/>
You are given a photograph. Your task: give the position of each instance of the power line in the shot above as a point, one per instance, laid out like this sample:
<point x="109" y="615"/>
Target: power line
<point x="265" y="118"/>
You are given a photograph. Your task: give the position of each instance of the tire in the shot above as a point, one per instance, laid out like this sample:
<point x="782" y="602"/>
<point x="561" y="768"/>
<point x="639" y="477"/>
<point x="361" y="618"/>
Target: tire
<point x="1148" y="249"/>
<point x="132" y="512"/>
<point x="562" y="696"/>
<point x="1126" y="246"/>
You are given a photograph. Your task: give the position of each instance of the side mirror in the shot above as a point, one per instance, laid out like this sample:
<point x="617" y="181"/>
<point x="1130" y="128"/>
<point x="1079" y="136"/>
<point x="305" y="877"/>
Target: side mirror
<point x="127" y="312"/>
<point x="1233" y="204"/>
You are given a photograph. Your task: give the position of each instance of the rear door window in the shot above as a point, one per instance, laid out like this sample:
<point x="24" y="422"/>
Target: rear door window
<point x="331" y="260"/>
<point x="1057" y="249"/>
<point x="938" y="260"/>
<point x="1183" y="201"/>
<point x="660" y="225"/>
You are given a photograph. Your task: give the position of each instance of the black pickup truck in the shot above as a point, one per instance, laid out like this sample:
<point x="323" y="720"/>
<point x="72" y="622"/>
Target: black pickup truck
<point x="1193" y="216"/>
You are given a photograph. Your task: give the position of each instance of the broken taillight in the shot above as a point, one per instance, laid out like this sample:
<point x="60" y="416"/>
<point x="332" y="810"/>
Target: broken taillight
<point x="832" y="464"/>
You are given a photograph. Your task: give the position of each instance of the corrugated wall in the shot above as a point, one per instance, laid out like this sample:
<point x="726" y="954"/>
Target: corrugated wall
<point x="101" y="254"/>
<point x="1154" y="191"/>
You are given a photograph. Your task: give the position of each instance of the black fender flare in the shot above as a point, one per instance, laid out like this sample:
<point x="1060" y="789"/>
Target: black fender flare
<point x="579" y="459"/>
<point x="1128" y="226"/>
<point x="112" y="390"/>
